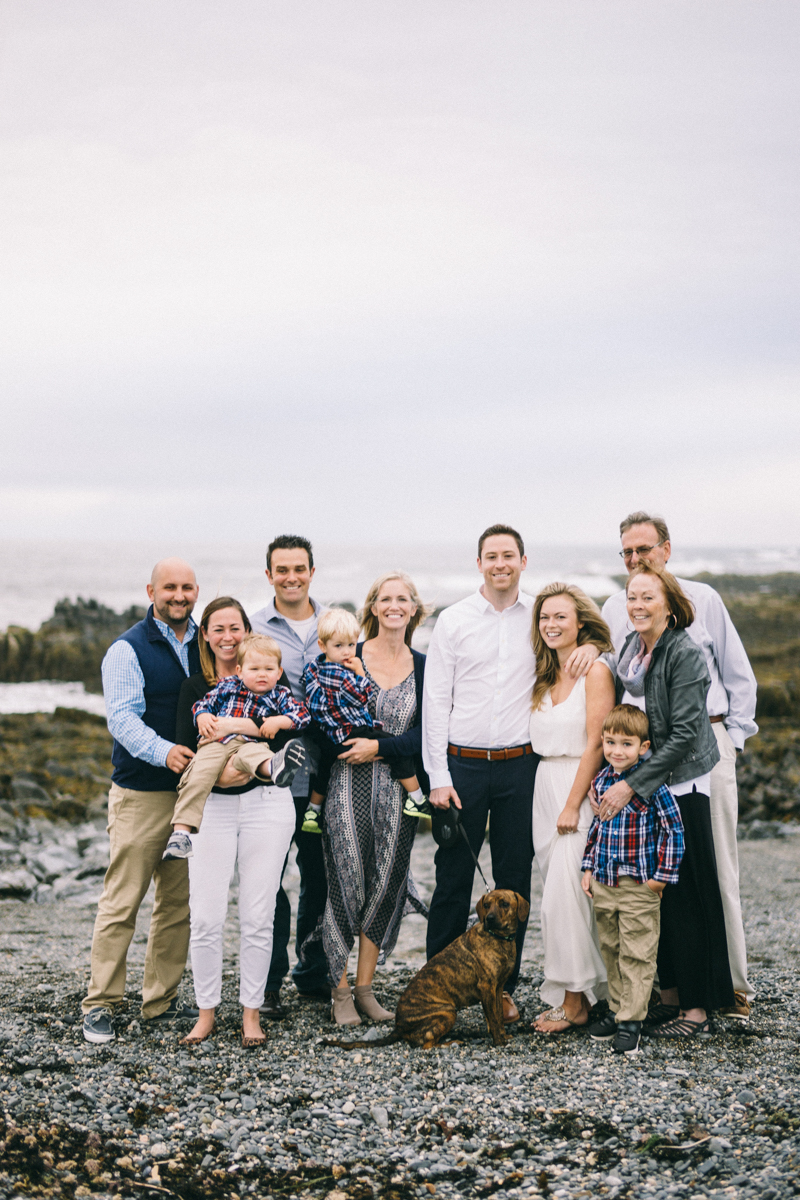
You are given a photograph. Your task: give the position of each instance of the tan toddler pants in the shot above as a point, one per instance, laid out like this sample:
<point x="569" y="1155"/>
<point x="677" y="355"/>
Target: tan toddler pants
<point x="628" y="925"/>
<point x="205" y="769"/>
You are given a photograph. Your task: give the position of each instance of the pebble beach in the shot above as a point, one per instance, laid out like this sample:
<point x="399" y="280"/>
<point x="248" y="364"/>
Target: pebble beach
<point x="559" y="1117"/>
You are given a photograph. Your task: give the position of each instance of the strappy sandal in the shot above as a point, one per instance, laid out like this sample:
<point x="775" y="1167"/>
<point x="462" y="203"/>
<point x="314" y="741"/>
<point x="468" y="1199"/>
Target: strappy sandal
<point x="556" y="1014"/>
<point x="658" y="1013"/>
<point x="195" y="1041"/>
<point x="683" y="1028"/>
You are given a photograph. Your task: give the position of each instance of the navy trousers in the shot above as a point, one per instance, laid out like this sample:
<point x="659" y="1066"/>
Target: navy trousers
<point x="311" y="974"/>
<point x="503" y="789"/>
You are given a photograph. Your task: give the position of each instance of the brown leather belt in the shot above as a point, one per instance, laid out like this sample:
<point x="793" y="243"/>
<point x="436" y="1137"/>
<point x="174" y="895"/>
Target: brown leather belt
<point x="490" y="755"/>
<point x="716" y="720"/>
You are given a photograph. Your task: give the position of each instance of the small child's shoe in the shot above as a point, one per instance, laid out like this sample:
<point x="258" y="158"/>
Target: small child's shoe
<point x="627" y="1036"/>
<point x="178" y="846"/>
<point x="311" y="821"/>
<point x="287" y="762"/>
<point x="417" y="808"/>
<point x="604" y="1029"/>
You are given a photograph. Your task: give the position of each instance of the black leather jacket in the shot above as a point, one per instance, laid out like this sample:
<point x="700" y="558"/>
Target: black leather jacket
<point x="681" y="736"/>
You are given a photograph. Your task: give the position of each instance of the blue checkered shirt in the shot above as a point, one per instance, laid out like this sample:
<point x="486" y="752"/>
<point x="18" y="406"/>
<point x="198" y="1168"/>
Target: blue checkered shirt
<point x="645" y="838"/>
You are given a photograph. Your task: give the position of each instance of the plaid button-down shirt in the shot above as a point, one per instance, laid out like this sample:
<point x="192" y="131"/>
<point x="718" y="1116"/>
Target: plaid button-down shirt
<point x="336" y="698"/>
<point x="645" y="838"/>
<point x="230" y="698"/>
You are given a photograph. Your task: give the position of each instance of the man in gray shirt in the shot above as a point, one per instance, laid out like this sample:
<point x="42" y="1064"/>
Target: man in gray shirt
<point x="291" y="619"/>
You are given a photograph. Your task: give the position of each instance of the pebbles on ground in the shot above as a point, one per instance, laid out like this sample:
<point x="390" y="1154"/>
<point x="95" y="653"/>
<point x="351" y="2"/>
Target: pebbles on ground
<point x="560" y="1117"/>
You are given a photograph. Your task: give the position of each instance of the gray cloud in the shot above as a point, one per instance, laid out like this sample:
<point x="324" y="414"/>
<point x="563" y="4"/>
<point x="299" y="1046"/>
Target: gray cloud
<point x="531" y="259"/>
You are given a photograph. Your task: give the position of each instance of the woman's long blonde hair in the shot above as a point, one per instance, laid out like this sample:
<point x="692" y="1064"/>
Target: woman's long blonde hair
<point x="593" y="629"/>
<point x="369" y="622"/>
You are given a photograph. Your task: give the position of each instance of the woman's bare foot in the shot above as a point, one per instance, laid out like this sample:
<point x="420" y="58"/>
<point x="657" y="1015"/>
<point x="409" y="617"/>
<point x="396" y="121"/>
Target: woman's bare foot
<point x="574" y="1010"/>
<point x="251" y="1025"/>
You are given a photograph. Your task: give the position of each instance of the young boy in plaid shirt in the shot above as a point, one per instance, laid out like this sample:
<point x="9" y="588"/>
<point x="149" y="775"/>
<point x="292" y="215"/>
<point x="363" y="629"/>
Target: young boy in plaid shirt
<point x="253" y="692"/>
<point x="626" y="865"/>
<point x="337" y="696"/>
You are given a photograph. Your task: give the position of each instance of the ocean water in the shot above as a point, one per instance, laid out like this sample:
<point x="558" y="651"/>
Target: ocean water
<point x="37" y="574"/>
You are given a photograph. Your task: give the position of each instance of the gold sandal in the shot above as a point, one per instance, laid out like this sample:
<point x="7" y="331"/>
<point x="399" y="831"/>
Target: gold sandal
<point x="556" y="1014"/>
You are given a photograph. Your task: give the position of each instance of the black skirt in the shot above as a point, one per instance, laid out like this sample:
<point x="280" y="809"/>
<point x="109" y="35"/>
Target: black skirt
<point x="693" y="950"/>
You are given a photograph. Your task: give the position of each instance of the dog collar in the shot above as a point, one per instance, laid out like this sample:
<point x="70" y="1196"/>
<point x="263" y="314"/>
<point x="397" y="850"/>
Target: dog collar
<point x="503" y="937"/>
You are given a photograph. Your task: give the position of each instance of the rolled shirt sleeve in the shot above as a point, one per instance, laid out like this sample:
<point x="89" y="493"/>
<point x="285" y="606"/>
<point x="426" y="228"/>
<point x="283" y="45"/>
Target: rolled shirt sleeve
<point x="123" y="689"/>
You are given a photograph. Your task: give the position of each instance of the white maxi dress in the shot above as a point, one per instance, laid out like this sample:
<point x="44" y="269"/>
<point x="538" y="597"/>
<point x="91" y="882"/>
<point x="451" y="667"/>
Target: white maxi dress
<point x="572" y="959"/>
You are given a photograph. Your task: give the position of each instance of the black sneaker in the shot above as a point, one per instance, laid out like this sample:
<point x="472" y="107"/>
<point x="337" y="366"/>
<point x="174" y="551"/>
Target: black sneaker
<point x="287" y="762"/>
<point x="604" y="1029"/>
<point x="178" y="846"/>
<point x="417" y="808"/>
<point x="177" y="1011"/>
<point x="627" y="1039"/>
<point x="97" y="1026"/>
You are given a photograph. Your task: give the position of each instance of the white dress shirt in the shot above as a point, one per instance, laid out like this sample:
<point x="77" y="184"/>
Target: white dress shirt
<point x="732" y="694"/>
<point x="479" y="676"/>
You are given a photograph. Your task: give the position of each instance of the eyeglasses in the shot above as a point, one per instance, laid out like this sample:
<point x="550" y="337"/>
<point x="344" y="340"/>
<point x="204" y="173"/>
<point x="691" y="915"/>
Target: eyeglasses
<point x="639" y="551"/>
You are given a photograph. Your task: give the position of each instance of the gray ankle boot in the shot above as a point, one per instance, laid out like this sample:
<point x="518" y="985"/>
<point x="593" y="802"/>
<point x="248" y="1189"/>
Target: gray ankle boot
<point x="343" y="1011"/>
<point x="367" y="1004"/>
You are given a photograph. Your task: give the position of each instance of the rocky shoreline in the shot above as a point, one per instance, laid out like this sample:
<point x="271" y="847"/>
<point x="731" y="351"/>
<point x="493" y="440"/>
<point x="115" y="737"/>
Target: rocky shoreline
<point x="559" y="1117"/>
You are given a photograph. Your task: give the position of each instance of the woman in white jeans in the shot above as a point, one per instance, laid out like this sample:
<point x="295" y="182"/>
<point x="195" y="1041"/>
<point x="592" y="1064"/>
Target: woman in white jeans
<point x="245" y="823"/>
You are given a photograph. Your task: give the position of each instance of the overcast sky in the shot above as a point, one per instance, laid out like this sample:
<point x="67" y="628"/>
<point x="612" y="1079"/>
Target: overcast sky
<point x="397" y="270"/>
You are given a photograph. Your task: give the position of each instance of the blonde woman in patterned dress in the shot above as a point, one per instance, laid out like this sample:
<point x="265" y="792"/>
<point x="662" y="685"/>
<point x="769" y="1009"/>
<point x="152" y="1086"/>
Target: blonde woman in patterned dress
<point x="367" y="839"/>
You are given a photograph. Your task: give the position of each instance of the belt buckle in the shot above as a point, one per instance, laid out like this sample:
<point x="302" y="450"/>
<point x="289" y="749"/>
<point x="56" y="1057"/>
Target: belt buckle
<point x="488" y="756"/>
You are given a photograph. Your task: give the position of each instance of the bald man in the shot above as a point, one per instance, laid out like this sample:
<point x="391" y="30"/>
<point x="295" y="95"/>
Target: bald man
<point x="143" y="672"/>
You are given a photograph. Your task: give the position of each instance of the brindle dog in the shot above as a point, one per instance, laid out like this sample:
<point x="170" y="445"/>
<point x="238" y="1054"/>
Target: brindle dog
<point x="471" y="970"/>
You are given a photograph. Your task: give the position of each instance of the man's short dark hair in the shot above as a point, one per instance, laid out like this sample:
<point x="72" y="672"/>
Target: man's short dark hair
<point x="495" y="531"/>
<point x="288" y="541"/>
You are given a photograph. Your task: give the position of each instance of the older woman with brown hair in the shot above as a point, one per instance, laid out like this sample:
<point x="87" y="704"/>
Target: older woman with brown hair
<point x="367" y="837"/>
<point x="566" y="730"/>
<point x="663" y="672"/>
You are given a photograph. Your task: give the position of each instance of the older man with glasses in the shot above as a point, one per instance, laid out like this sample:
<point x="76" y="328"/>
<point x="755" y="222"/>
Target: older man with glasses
<point x="731" y="706"/>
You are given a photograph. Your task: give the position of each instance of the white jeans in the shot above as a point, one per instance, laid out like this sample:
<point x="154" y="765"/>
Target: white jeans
<point x="724" y="800"/>
<point x="256" y="829"/>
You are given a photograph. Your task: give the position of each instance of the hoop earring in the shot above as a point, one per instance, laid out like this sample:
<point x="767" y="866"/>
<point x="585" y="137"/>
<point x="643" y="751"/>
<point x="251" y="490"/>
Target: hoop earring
<point x="672" y="621"/>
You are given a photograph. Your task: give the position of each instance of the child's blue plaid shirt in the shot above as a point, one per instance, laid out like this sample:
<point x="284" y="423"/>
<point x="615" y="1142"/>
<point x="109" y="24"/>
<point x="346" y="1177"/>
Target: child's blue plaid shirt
<point x="646" y="837"/>
<point x="231" y="698"/>
<point x="336" y="697"/>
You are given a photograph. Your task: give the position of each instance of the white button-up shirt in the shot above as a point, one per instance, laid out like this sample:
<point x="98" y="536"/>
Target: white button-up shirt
<point x="732" y="694"/>
<point x="479" y="677"/>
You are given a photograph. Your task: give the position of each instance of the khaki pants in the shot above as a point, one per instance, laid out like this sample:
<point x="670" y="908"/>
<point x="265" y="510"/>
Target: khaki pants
<point x="724" y="799"/>
<point x="139" y="824"/>
<point x="205" y="769"/>
<point x="628" y="924"/>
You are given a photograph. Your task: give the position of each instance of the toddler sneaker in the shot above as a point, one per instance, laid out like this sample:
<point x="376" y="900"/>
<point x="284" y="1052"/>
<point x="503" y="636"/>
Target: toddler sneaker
<point x="178" y="846"/>
<point x="287" y="762"/>
<point x="627" y="1037"/>
<point x="417" y="808"/>
<point x="604" y="1029"/>
<point x="311" y="821"/>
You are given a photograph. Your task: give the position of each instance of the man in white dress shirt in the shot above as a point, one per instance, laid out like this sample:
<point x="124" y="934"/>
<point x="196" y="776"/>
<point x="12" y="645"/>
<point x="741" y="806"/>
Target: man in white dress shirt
<point x="731" y="706"/>
<point x="476" y="747"/>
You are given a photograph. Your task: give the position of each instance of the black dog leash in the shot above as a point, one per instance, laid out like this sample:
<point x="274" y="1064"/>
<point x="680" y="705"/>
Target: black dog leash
<point x="474" y="856"/>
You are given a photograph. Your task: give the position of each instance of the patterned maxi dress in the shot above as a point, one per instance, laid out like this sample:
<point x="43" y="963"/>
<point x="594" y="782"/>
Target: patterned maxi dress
<point x="367" y="843"/>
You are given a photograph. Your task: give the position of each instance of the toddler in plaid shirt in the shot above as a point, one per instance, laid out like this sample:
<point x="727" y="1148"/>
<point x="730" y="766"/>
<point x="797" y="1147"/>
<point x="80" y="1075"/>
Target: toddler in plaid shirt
<point x="253" y="693"/>
<point x="337" y="694"/>
<point x="626" y="865"/>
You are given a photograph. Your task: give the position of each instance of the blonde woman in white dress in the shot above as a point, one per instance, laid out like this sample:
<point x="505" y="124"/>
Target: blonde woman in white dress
<point x="566" y="730"/>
